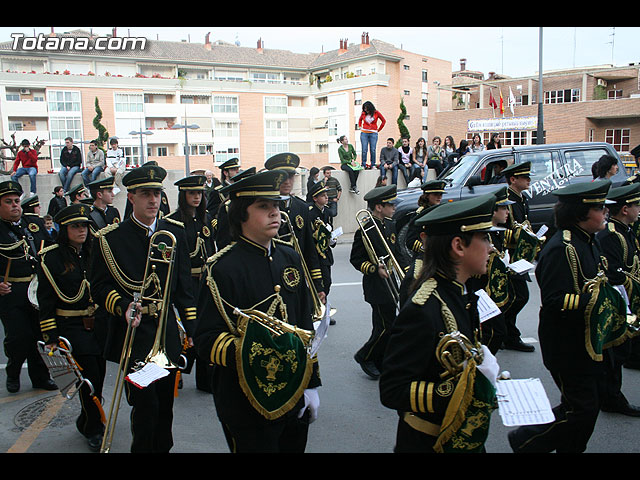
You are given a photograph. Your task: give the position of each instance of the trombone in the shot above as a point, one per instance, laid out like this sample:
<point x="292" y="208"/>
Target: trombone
<point x="319" y="308"/>
<point x="160" y="262"/>
<point x="395" y="273"/>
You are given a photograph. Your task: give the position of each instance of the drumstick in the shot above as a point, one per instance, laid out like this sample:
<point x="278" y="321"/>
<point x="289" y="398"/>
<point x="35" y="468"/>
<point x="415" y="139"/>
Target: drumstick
<point x="6" y="272"/>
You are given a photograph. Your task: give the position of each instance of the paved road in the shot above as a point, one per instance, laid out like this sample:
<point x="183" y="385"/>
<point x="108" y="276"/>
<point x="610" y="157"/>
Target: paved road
<point x="352" y="420"/>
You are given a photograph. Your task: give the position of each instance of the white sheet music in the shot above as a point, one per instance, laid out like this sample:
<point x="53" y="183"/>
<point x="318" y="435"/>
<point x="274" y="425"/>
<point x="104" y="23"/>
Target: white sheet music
<point x="523" y="402"/>
<point x="336" y="233"/>
<point x="521" y="266"/>
<point x="322" y="328"/>
<point x="147" y="375"/>
<point x="487" y="308"/>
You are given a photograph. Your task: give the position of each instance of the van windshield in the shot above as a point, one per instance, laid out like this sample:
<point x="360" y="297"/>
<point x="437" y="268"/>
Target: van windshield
<point x="456" y="176"/>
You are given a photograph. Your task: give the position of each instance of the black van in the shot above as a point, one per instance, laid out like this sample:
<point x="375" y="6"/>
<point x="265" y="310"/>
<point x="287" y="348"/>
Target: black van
<point x="552" y="166"/>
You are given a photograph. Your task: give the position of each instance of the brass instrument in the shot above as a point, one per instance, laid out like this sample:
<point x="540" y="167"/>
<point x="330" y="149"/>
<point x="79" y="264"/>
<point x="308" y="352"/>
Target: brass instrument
<point x="274" y="325"/>
<point x="452" y="351"/>
<point x="395" y="273"/>
<point x="160" y="262"/>
<point x="319" y="308"/>
<point x="631" y="288"/>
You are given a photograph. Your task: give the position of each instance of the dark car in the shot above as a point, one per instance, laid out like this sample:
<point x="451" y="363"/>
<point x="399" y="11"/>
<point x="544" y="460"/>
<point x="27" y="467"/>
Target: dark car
<point x="552" y="166"/>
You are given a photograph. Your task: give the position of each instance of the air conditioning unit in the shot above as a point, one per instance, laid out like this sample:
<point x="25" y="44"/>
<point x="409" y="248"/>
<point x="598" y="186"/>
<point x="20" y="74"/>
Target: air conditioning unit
<point x="25" y="91"/>
<point x="602" y="83"/>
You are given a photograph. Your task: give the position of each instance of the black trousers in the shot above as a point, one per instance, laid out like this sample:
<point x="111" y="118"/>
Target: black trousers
<point x="614" y="358"/>
<point x="521" y="293"/>
<point x="152" y="415"/>
<point x="575" y="417"/>
<point x="382" y="318"/>
<point x="353" y="174"/>
<point x="284" y="435"/>
<point x="493" y="332"/>
<point x="89" y="422"/>
<point x="21" y="334"/>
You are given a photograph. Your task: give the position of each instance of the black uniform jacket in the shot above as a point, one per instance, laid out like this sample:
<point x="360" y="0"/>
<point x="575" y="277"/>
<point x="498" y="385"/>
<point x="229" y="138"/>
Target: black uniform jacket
<point x="199" y="240"/>
<point x="620" y="247"/>
<point x="410" y="380"/>
<point x="103" y="218"/>
<point x="61" y="279"/>
<point x="22" y="266"/>
<point x="128" y="243"/>
<point x="246" y="275"/>
<point x="319" y="218"/>
<point x="374" y="287"/>
<point x="562" y="323"/>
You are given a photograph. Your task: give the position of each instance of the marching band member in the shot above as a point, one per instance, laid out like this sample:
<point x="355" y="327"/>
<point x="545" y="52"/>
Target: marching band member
<point x="164" y="208"/>
<point x="298" y="211"/>
<point x="620" y="248"/>
<point x="321" y="221"/>
<point x="518" y="179"/>
<point x="192" y="212"/>
<point x="567" y="268"/>
<point x="443" y="407"/>
<point x="432" y="191"/>
<point x="221" y="221"/>
<point x="66" y="309"/>
<point x="117" y="270"/>
<point x="228" y="169"/>
<point x="20" y="241"/>
<point x="263" y="404"/>
<point x="381" y="203"/>
<point x="103" y="212"/>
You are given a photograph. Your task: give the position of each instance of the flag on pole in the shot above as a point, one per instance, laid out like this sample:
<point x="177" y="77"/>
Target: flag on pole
<point x="512" y="101"/>
<point x="501" y="104"/>
<point x="492" y="103"/>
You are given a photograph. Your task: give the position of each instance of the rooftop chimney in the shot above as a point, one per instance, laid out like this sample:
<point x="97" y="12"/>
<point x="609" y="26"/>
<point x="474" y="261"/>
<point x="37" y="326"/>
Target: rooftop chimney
<point x="492" y="75"/>
<point x="343" y="46"/>
<point x="52" y="34"/>
<point x="463" y="64"/>
<point x="260" y="45"/>
<point x="207" y="43"/>
<point x="113" y="32"/>
<point x="364" y="43"/>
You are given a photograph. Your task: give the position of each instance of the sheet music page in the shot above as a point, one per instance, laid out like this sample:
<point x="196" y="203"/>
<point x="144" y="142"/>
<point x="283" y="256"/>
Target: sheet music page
<point x="521" y="266"/>
<point x="322" y="328"/>
<point x="147" y="375"/>
<point x="487" y="308"/>
<point x="336" y="233"/>
<point x="542" y="231"/>
<point x="523" y="402"/>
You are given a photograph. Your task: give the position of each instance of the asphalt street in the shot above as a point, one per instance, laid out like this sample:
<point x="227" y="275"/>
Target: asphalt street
<point x="351" y="418"/>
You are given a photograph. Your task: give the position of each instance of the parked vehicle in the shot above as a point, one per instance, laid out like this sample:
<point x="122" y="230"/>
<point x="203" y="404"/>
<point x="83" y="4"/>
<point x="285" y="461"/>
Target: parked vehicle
<point x="552" y="166"/>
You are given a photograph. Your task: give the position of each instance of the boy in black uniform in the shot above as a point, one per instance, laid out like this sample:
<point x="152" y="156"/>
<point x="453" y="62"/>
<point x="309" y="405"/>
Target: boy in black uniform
<point x="320" y="218"/>
<point x="164" y="209"/>
<point x="221" y="232"/>
<point x="381" y="203"/>
<point x="228" y="169"/>
<point x="443" y="407"/>
<point x="620" y="248"/>
<point x="570" y="262"/>
<point x="192" y="212"/>
<point x="20" y="241"/>
<point x="263" y="405"/>
<point x="298" y="212"/>
<point x="103" y="213"/>
<point x="519" y="180"/>
<point x="114" y="282"/>
<point x="432" y="192"/>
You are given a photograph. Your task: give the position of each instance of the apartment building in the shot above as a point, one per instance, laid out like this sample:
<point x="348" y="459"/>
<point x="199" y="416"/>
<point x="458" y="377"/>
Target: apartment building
<point x="213" y="100"/>
<point x="599" y="103"/>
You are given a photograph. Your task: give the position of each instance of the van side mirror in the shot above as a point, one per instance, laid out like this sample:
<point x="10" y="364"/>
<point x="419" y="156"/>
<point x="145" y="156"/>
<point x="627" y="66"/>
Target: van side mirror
<point x="473" y="181"/>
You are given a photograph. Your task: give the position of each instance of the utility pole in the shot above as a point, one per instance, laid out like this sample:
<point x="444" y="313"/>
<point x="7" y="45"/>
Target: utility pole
<point x="540" y="131"/>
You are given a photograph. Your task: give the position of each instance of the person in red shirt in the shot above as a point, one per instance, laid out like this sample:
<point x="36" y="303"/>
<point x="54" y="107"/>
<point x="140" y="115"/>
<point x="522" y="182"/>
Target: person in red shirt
<point x="369" y="129"/>
<point x="28" y="157"/>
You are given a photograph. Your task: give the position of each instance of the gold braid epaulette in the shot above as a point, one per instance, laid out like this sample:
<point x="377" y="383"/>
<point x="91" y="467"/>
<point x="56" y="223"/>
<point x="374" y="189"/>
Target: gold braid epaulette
<point x="424" y="291"/>
<point x="109" y="228"/>
<point x="125" y="282"/>
<point x="175" y="222"/>
<point x="84" y="285"/>
<point x="48" y="249"/>
<point x="281" y="242"/>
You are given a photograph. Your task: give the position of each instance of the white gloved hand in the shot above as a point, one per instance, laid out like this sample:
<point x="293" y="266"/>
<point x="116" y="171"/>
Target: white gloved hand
<point x="489" y="366"/>
<point x="312" y="402"/>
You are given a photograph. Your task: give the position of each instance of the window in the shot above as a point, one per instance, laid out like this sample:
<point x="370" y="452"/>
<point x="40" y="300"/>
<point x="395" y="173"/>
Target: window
<point x="228" y="75"/>
<point x="61" y="101"/>
<point x="357" y="98"/>
<point x="406" y="67"/>
<point x="226" y="129"/>
<point x="15" y="126"/>
<point x="407" y="92"/>
<point x="13" y="97"/>
<point x="162" y="151"/>
<point x="205" y="149"/>
<point x="614" y="94"/>
<point x="543" y="164"/>
<point x="425" y="76"/>
<point x="129" y="102"/>
<point x="223" y="104"/>
<point x="514" y="138"/>
<point x="132" y="155"/>
<point x="223" y="155"/>
<point x="264" y="77"/>
<point x="585" y="160"/>
<point x="275" y="105"/>
<point x="272" y="148"/>
<point x="61" y="128"/>
<point x="425" y="100"/>
<point x="276" y="128"/>
<point x="618" y="137"/>
<point x="562" y="96"/>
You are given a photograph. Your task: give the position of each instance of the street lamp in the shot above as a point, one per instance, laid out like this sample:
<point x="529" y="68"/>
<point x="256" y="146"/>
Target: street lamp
<point x="141" y="133"/>
<point x="186" y="143"/>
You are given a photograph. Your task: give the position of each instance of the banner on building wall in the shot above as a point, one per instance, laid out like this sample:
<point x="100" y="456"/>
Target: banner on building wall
<point x="500" y="124"/>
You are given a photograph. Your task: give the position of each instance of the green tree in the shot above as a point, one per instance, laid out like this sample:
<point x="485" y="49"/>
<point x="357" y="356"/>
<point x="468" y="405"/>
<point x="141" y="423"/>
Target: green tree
<point x="404" y="131"/>
<point x="103" y="135"/>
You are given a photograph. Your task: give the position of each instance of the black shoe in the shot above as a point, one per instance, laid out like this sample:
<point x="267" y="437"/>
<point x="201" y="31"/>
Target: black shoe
<point x="368" y="367"/>
<point x="627" y="409"/>
<point x="46" y="385"/>
<point x="13" y="384"/>
<point x="511" y="436"/>
<point x="95" y="442"/>
<point x="520" y="346"/>
<point x="332" y="322"/>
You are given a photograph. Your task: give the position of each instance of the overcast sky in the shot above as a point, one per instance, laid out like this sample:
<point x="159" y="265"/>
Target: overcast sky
<point x="512" y="51"/>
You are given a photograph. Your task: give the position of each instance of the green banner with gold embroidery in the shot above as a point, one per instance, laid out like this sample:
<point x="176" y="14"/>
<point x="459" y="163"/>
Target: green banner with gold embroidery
<point x="527" y="245"/>
<point x="605" y="318"/>
<point x="321" y="236"/>
<point x="465" y="426"/>
<point x="273" y="369"/>
<point x="498" y="285"/>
